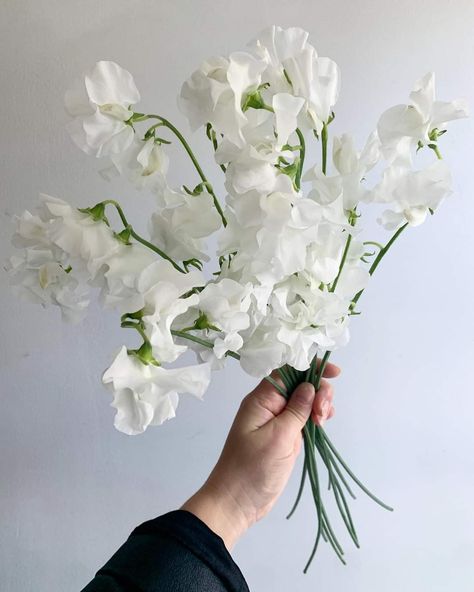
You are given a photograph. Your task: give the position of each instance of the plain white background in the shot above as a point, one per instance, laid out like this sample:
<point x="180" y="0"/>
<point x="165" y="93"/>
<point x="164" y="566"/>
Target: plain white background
<point x="72" y="488"/>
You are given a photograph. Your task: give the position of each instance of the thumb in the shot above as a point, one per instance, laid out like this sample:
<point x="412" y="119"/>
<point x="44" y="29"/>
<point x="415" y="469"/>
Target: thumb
<point x="296" y="413"/>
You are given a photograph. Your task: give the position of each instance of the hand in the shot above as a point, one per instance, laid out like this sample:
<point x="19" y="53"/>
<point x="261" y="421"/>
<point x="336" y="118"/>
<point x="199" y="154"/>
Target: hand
<point x="258" y="456"/>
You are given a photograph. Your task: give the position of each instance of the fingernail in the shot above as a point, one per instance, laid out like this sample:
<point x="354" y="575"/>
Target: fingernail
<point x="325" y="408"/>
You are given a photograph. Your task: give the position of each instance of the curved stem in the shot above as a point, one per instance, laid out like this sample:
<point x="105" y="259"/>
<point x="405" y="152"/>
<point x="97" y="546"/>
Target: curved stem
<point x="302" y="155"/>
<point x="300" y="491"/>
<point x="139" y="238"/>
<point x="196" y="164"/>
<point x="379" y="258"/>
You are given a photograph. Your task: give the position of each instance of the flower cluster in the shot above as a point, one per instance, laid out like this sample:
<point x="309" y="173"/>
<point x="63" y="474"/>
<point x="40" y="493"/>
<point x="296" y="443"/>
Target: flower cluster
<point x="291" y="260"/>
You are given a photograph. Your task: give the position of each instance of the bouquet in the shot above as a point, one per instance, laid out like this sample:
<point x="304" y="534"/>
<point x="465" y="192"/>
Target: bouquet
<point x="288" y="261"/>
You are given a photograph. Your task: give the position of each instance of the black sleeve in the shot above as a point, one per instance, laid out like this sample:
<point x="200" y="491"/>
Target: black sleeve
<point x="175" y="552"/>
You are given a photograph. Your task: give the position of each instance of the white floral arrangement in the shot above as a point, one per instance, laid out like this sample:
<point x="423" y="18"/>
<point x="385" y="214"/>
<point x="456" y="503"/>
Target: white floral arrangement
<point x="291" y="263"/>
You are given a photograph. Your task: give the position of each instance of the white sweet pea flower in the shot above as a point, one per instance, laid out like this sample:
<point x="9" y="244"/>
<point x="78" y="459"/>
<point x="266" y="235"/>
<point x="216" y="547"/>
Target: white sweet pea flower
<point x="293" y="66"/>
<point x="401" y="127"/>
<point x="100" y="105"/>
<point x="252" y="170"/>
<point x="137" y="281"/>
<point x="286" y="108"/>
<point x="163" y="289"/>
<point x="38" y="278"/>
<point x="277" y="47"/>
<point x="180" y="228"/>
<point x="262" y="352"/>
<point x="282" y="251"/>
<point x="412" y="194"/>
<point x="145" y="163"/>
<point x="309" y="319"/>
<point x="121" y="277"/>
<point x="64" y="250"/>
<point x="214" y="93"/>
<point x="317" y="80"/>
<point x="225" y="304"/>
<point x="147" y="395"/>
<point x="79" y="235"/>
<point x="352" y="167"/>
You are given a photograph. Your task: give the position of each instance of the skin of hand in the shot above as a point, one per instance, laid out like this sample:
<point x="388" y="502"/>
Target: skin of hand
<point x="258" y="456"/>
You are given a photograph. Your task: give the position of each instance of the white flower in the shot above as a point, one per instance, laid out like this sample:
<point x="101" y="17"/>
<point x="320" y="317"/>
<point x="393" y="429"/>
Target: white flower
<point x="412" y="194"/>
<point x="137" y="281"/>
<point x="215" y="91"/>
<point x="100" y="104"/>
<point x="40" y="279"/>
<point x="180" y="228"/>
<point x="309" y="318"/>
<point x="79" y="235"/>
<point x="352" y="167"/>
<point x="163" y="289"/>
<point x="144" y="163"/>
<point x="401" y="127"/>
<point x="64" y="250"/>
<point x="286" y="109"/>
<point x="293" y="66"/>
<point x="225" y="304"/>
<point x="262" y="352"/>
<point x="122" y="273"/>
<point x="254" y="170"/>
<point x="147" y="395"/>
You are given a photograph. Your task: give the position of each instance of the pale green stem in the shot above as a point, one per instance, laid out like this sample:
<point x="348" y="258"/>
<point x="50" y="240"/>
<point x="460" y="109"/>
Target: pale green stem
<point x="302" y="155"/>
<point x="196" y="164"/>
<point x="203" y="342"/>
<point x="140" y="239"/>
<point x="379" y="258"/>
<point x="324" y="147"/>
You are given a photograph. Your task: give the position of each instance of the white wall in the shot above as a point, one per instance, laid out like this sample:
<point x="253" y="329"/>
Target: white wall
<point x="72" y="488"/>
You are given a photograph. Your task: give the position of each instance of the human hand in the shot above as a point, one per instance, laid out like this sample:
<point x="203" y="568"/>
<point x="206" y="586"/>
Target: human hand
<point x="258" y="456"/>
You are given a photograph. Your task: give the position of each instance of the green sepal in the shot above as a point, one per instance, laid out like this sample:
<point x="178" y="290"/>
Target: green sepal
<point x="204" y="186"/>
<point x="144" y="354"/>
<point x="435" y="133"/>
<point x="202" y="323"/>
<point x="97" y="212"/>
<point x="124" y="235"/>
<point x="291" y="170"/>
<point x="137" y="316"/>
<point x="253" y="100"/>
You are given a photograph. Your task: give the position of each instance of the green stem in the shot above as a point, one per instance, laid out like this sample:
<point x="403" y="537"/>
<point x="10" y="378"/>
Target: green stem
<point x="343" y="261"/>
<point x="351" y="474"/>
<point x="435" y="149"/>
<point x="196" y="164"/>
<point x="302" y="156"/>
<point x="300" y="491"/>
<point x="201" y="341"/>
<point x="324" y="147"/>
<point x="379" y="258"/>
<point x="140" y="239"/>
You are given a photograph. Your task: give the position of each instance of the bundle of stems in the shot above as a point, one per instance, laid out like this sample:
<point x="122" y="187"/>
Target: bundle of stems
<point x="316" y="440"/>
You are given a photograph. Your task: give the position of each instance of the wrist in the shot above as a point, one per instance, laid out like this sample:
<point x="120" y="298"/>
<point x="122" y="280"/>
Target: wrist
<point x="221" y="511"/>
